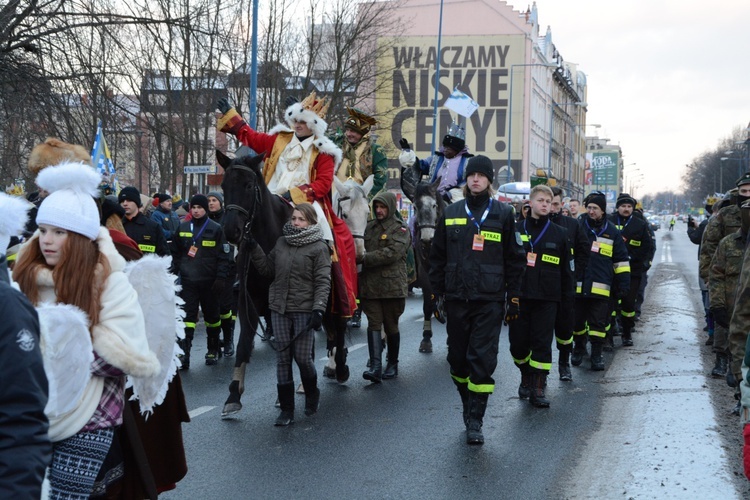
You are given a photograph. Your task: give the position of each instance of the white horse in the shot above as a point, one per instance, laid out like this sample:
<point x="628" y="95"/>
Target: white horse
<point x="351" y="204"/>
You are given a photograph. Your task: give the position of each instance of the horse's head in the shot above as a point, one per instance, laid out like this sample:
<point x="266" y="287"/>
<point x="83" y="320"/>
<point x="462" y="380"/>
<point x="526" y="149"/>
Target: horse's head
<point x="243" y="188"/>
<point x="429" y="207"/>
<point x="351" y="205"/>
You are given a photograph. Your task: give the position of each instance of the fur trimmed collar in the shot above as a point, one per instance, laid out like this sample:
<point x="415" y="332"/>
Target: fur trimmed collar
<point x="324" y="144"/>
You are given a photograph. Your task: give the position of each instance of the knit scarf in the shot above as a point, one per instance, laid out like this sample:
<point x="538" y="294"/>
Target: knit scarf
<point x="301" y="236"/>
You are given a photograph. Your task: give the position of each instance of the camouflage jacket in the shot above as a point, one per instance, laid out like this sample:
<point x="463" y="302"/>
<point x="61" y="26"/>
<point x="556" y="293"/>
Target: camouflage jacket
<point x="740" y="322"/>
<point x="725" y="271"/>
<point x="726" y="222"/>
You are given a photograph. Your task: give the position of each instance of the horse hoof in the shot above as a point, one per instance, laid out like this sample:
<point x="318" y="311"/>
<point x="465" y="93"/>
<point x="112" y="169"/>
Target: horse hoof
<point x="425" y="346"/>
<point x="329" y="372"/>
<point x="342" y="373"/>
<point x="231" y="409"/>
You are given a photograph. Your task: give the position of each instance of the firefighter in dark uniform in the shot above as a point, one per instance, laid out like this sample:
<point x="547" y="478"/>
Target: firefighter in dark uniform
<point x="476" y="258"/>
<point x="547" y="282"/>
<point x="608" y="269"/>
<point x="228" y="300"/>
<point x="638" y="240"/>
<point x="147" y="234"/>
<point x="579" y="248"/>
<point x="202" y="259"/>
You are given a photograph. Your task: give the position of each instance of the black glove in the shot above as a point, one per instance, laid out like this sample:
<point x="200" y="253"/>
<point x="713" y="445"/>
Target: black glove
<point x="289" y="101"/>
<point x="721" y="316"/>
<point x="438" y="307"/>
<point x="512" y="309"/>
<point x="251" y="243"/>
<point x="218" y="287"/>
<point x="287" y="196"/>
<point x="223" y="105"/>
<point x="404" y="144"/>
<point x="316" y="320"/>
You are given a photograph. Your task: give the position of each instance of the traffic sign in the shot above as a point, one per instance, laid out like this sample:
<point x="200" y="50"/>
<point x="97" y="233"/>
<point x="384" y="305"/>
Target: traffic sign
<point x="199" y="169"/>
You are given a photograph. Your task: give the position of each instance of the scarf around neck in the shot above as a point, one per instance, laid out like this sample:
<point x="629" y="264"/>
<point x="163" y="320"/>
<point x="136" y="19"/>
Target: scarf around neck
<point x="301" y="236"/>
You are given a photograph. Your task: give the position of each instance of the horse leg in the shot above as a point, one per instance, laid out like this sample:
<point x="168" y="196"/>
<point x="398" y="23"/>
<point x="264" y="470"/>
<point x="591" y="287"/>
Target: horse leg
<point x="329" y="370"/>
<point x="427" y="307"/>
<point x="245" y="345"/>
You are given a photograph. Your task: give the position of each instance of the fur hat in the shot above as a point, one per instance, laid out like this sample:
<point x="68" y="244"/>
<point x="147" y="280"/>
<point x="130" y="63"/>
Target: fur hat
<point x="216" y="195"/>
<point x="359" y="121"/>
<point x="130" y="193"/>
<point x="53" y="152"/>
<point x="625" y="198"/>
<point x="15" y="213"/>
<point x="312" y="111"/>
<point x="481" y="164"/>
<point x="70" y="204"/>
<point x="200" y="200"/>
<point x="597" y="198"/>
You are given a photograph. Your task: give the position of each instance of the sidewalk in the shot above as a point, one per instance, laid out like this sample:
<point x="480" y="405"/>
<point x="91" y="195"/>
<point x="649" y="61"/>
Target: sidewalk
<point x="659" y="435"/>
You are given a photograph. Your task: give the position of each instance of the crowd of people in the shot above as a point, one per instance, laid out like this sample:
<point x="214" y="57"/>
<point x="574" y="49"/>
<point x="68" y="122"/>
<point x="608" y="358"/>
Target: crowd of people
<point x="552" y="274"/>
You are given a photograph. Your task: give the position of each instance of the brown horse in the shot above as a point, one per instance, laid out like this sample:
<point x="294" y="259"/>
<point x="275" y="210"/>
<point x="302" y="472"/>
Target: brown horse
<point x="252" y="209"/>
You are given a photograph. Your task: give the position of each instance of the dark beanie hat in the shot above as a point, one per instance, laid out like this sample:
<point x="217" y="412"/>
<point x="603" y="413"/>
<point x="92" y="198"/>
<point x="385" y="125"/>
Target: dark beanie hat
<point x="131" y="194"/>
<point x="625" y="198"/>
<point x="481" y="164"/>
<point x="745" y="179"/>
<point x="111" y="207"/>
<point x="597" y="198"/>
<point x="217" y="195"/>
<point x="200" y="200"/>
<point x="453" y="142"/>
<point x="162" y="197"/>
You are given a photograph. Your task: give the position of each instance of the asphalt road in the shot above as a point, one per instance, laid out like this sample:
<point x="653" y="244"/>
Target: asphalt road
<point x="405" y="437"/>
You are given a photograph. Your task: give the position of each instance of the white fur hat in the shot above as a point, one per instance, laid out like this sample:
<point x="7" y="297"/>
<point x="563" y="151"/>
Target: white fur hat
<point x="70" y="204"/>
<point x="312" y="110"/>
<point x="15" y="213"/>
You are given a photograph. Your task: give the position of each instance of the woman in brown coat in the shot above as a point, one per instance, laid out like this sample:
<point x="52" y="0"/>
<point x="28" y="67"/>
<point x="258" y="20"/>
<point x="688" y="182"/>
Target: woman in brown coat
<point x="300" y="265"/>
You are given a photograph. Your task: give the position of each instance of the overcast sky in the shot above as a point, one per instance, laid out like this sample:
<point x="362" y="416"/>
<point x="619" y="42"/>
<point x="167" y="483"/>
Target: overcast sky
<point x="667" y="79"/>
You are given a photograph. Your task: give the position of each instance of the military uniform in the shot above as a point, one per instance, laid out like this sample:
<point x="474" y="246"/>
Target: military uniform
<point x="726" y="222"/>
<point x="383" y="285"/>
<point x="723" y="277"/>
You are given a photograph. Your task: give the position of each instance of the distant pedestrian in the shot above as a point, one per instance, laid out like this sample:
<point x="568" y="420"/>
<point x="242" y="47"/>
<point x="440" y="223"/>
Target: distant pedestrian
<point x="163" y="215"/>
<point x="671" y="224"/>
<point x="300" y="264"/>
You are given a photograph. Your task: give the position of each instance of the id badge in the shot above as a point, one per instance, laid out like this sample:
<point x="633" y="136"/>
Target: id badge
<point x="595" y="247"/>
<point x="193" y="250"/>
<point x="530" y="259"/>
<point x="478" y="244"/>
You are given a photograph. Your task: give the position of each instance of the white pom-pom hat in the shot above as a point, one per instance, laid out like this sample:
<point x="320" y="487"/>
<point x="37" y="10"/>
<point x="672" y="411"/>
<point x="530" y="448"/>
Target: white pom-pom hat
<point x="15" y="213"/>
<point x="70" y="204"/>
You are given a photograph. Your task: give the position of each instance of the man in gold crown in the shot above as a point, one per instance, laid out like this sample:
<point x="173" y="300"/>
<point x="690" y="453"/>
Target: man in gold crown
<point x="362" y="157"/>
<point x="300" y="162"/>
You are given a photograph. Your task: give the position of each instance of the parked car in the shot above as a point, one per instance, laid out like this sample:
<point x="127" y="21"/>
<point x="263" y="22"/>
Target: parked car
<point x="654" y="223"/>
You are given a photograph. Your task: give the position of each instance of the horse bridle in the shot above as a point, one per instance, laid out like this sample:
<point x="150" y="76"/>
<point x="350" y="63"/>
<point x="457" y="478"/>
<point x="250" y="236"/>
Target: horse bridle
<point x="249" y="218"/>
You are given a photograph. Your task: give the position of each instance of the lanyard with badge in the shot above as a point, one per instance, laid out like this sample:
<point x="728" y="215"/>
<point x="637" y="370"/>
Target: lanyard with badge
<point x="194" y="249"/>
<point x="531" y="256"/>
<point x="478" y="243"/>
<point x="595" y="244"/>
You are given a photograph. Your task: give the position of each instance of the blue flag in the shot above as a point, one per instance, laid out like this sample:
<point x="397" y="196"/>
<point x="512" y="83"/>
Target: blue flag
<point x="103" y="160"/>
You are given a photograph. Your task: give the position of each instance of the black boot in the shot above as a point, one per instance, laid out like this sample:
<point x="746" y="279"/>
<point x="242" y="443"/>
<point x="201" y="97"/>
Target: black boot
<point x="477" y="407"/>
<point x="564" y="364"/>
<point x="597" y="358"/>
<point x="286" y="399"/>
<point x="538" y="384"/>
<point x="579" y="350"/>
<point x="356" y="320"/>
<point x="609" y="342"/>
<point x="186" y="344"/>
<point x="391" y="368"/>
<point x="312" y="395"/>
<point x="524" y="389"/>
<point x="375" y="346"/>
<point x="463" y="391"/>
<point x="627" y="337"/>
<point x="212" y="344"/>
<point x="227" y="328"/>
<point x="720" y="368"/>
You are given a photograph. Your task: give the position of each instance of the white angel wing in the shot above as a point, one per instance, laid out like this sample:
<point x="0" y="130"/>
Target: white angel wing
<point x="68" y="354"/>
<point x="157" y="295"/>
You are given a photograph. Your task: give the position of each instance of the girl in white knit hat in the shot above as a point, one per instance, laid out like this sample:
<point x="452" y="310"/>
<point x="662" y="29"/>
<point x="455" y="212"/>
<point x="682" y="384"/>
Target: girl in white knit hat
<point x="72" y="260"/>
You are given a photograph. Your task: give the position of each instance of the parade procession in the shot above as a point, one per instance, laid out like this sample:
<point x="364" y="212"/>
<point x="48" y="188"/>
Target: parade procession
<point x="217" y="225"/>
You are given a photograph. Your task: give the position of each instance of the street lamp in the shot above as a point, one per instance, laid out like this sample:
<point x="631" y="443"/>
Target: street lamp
<point x="739" y="160"/>
<point x="510" y="106"/>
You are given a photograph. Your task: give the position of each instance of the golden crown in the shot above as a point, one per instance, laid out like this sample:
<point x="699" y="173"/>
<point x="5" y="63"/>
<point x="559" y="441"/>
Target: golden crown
<point x="317" y="106"/>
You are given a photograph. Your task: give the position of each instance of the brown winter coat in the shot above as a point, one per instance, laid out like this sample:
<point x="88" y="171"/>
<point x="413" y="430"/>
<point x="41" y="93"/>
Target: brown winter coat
<point x="386" y="244"/>
<point x="301" y="275"/>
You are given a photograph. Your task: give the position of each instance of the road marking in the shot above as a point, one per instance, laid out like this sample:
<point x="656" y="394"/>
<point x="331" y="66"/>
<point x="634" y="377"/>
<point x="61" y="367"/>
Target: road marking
<point x="200" y="411"/>
<point x="666" y="252"/>
<point x="350" y="348"/>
